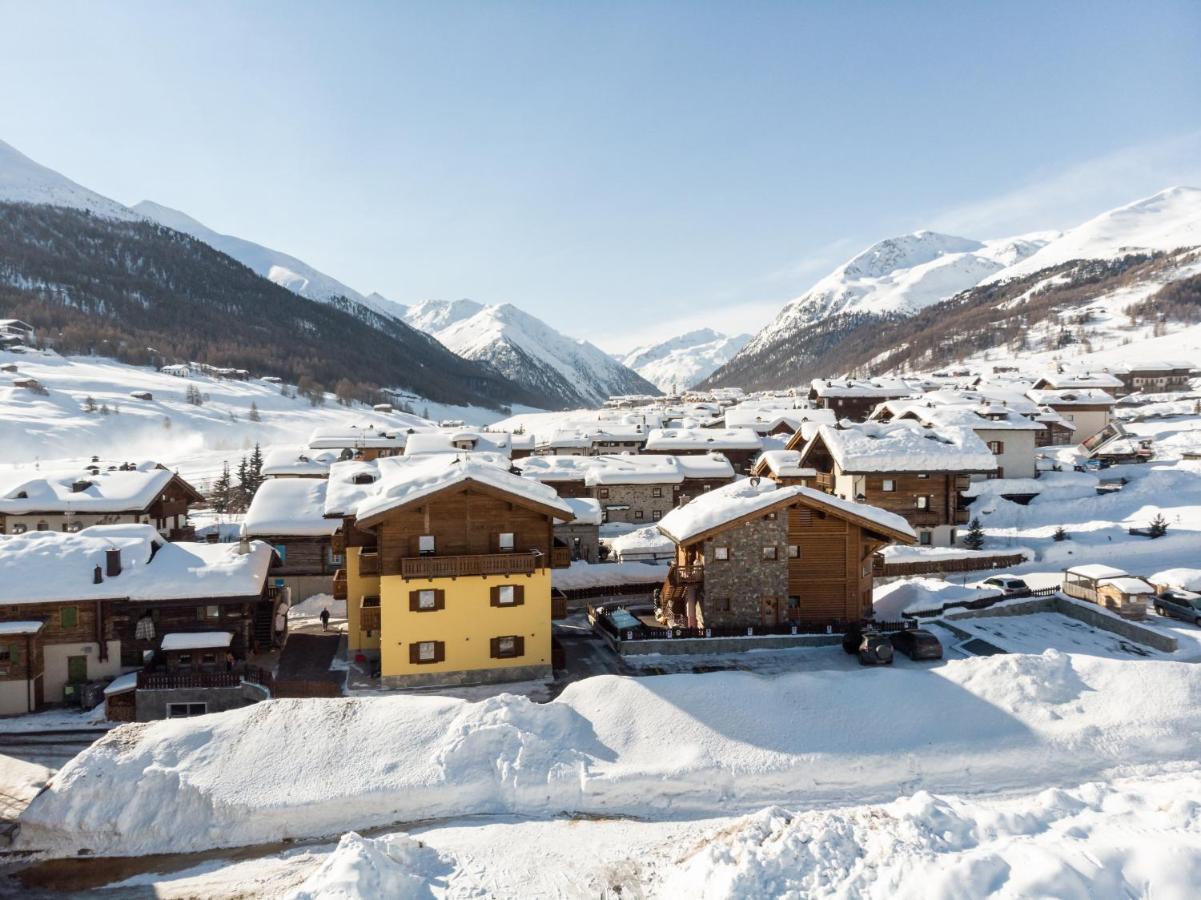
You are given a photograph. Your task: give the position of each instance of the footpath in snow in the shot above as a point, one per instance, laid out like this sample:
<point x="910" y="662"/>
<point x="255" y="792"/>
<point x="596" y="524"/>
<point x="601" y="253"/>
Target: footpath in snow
<point x="671" y="746"/>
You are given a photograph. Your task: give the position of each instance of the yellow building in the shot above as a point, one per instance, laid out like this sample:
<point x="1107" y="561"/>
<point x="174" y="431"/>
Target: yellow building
<point x="448" y="569"/>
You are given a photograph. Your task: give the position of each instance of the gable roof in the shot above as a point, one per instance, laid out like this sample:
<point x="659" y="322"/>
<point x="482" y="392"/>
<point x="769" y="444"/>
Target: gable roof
<point x="752" y="498"/>
<point x="131" y="488"/>
<point x="902" y="446"/>
<point x="414" y="480"/>
<point x="289" y="507"/>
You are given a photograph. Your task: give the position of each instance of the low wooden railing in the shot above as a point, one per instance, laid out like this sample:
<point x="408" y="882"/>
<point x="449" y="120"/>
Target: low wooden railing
<point x="560" y="558"/>
<point x="682" y="575"/>
<point x="824" y="481"/>
<point x="340" y="584"/>
<point x="165" y="681"/>
<point x="369" y="618"/>
<point x="478" y="564"/>
<point x="368" y="564"/>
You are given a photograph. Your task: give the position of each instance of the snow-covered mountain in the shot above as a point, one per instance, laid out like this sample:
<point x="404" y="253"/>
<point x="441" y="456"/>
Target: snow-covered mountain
<point x="684" y="360"/>
<point x="24" y="181"/>
<point x="285" y="270"/>
<point x="902" y="276"/>
<point x="527" y="350"/>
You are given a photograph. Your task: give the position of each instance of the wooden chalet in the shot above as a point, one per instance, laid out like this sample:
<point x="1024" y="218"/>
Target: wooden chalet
<point x="759" y="553"/>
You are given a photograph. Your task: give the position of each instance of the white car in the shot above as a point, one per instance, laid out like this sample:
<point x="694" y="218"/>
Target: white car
<point x="1009" y="585"/>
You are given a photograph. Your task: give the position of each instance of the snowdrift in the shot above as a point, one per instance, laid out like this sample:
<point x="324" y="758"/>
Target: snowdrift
<point x="681" y="745"/>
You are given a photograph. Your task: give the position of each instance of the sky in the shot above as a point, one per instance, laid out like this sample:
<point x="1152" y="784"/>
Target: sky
<point x="623" y="170"/>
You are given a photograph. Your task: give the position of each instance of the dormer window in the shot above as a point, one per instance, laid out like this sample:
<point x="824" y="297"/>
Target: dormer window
<point x="20" y="529"/>
<point x="364" y="478"/>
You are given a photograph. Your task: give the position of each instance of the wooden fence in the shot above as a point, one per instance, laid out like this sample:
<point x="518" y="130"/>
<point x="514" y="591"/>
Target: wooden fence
<point x="880" y="568"/>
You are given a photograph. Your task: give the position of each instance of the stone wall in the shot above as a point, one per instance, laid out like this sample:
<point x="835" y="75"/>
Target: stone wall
<point x="589" y="537"/>
<point x="152" y="705"/>
<point x="735" y="588"/>
<point x="473" y="676"/>
<point x="640" y="498"/>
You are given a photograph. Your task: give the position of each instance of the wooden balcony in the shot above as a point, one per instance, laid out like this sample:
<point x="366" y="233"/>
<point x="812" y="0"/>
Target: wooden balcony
<point x="925" y="517"/>
<point x="824" y="481"/>
<point x="560" y="558"/>
<point x="368" y="564"/>
<point x="340" y="584"/>
<point x="369" y="618"/>
<point x="337" y="543"/>
<point x="478" y="564"/>
<point x="685" y="575"/>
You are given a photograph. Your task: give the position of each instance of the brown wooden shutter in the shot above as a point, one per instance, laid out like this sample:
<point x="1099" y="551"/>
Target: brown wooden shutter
<point x="494" y="595"/>
<point x="519" y="646"/>
<point x="439" y="651"/>
<point x="414" y="654"/>
<point x="495" y="645"/>
<point x="518" y="595"/>
<point x="439" y="599"/>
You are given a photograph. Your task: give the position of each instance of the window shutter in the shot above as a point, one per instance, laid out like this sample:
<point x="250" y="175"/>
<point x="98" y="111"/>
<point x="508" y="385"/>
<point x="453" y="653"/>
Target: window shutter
<point x="439" y="599"/>
<point x="495" y="645"/>
<point x="414" y="653"/>
<point x="414" y="605"/>
<point x="14" y="653"/>
<point x="519" y="646"/>
<point x="439" y="651"/>
<point x="494" y="595"/>
<point x="518" y="595"/>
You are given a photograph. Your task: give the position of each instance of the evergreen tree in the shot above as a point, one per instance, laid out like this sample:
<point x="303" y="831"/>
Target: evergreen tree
<point x="223" y="491"/>
<point x="243" y="490"/>
<point x="425" y="413"/>
<point x="104" y="409"/>
<point x="975" y="535"/>
<point x="1061" y="534"/>
<point x="254" y="470"/>
<point x="89" y="405"/>
<point x="1159" y="526"/>
<point x="254" y="416"/>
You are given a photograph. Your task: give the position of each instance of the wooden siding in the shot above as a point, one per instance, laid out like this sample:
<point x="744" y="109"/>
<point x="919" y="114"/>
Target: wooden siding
<point x="463" y="524"/>
<point x="828" y="574"/>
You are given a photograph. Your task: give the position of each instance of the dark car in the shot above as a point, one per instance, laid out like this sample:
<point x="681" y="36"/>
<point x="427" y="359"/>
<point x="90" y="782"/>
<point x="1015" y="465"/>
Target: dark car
<point x="872" y="648"/>
<point x="1179" y="605"/>
<point x="916" y="643"/>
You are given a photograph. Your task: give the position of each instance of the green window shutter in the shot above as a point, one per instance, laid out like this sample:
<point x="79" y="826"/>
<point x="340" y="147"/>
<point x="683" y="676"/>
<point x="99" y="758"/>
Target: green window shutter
<point x="14" y="653"/>
<point x="68" y="617"/>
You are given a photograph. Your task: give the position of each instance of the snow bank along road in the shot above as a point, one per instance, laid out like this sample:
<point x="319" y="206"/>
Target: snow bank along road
<point x="665" y="747"/>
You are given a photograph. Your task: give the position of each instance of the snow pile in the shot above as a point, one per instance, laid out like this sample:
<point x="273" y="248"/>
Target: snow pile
<point x="362" y="868"/>
<point x="675" y="744"/>
<point x="583" y="575"/>
<point x="311" y="607"/>
<point x="1059" y="843"/>
<point x="644" y="541"/>
<point x="898" y="554"/>
<point x="1182" y="579"/>
<point x="912" y="595"/>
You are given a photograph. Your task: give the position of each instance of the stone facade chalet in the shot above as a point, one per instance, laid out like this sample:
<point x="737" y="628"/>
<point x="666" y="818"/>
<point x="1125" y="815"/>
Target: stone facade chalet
<point x="741" y="446"/>
<point x="918" y="473"/>
<point x="69" y="500"/>
<point x="759" y="553"/>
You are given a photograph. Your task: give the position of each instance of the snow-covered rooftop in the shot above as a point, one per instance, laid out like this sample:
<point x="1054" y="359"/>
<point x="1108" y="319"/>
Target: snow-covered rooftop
<point x="282" y="461"/>
<point x="11" y="629"/>
<point x="1081" y="397"/>
<point x="978" y="418"/>
<point x="46" y="566"/>
<point x="457" y="441"/>
<point x="586" y="511"/>
<point x="404" y="480"/>
<point x="906" y="446"/>
<point x="289" y="506"/>
<point x="357" y="437"/>
<point x="849" y="387"/>
<point x="750" y="495"/>
<point x="1096" y="571"/>
<point x="196" y="640"/>
<point x="785" y="464"/>
<point x="666" y="440"/>
<point x="27" y="489"/>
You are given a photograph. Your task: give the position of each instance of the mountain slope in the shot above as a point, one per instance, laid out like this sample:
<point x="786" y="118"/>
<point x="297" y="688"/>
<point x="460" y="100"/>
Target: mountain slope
<point x="281" y="268"/>
<point x="143" y="293"/>
<point x="901" y="277"/>
<point x="685" y="360"/>
<point x="24" y="181"/>
<point x="528" y="351"/>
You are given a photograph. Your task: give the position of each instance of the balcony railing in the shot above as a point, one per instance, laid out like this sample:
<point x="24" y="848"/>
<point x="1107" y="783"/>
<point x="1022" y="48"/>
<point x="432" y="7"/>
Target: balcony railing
<point x="167" y="681"/>
<point x="560" y="558"/>
<point x="684" y="575"/>
<point x="479" y="564"/>
<point x="824" y="482"/>
<point x="368" y="564"/>
<point x="340" y="584"/>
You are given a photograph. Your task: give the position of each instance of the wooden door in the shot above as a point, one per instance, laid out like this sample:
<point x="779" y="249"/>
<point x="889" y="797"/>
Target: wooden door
<point x="77" y="669"/>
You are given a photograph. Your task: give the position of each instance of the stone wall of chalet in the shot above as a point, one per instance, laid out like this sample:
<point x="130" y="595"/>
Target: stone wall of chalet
<point x="735" y="588"/>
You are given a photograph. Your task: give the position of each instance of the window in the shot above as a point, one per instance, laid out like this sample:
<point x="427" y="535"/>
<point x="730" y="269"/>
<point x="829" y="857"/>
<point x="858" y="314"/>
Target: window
<point x="20" y="529"/>
<point x="208" y="659"/>
<point x="186" y="710"/>
<point x="924" y="537"/>
<point x="721" y="553"/>
<point x="923" y="474"/>
<point x="889" y="485"/>
<point x="508" y="647"/>
<point x="10" y="654"/>
<point x="996" y="447"/>
<point x="602" y="493"/>
<point x="794" y="602"/>
<point x="427" y="600"/>
<point x="794" y="551"/>
<point x="508" y="595"/>
<point x="637" y="514"/>
<point x="425" y="545"/>
<point x="657" y="492"/>
<point x="184" y="659"/>
<point x="657" y="514"/>
<point x="726" y="605"/>
<point x="923" y="502"/>
<point x="771" y="516"/>
<point x="769" y="552"/>
<point x="68" y="617"/>
<point x="424" y="652"/>
<point x="43" y="526"/>
<point x="204" y="613"/>
<point x="505" y="541"/>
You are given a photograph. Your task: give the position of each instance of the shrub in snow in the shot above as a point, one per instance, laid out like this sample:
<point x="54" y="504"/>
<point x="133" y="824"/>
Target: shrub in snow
<point x="1158" y="527"/>
<point x="1061" y="534"/>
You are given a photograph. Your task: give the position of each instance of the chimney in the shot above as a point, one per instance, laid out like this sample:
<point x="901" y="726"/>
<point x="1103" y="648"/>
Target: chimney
<point x="97" y="577"/>
<point x="243" y="546"/>
<point x="112" y="563"/>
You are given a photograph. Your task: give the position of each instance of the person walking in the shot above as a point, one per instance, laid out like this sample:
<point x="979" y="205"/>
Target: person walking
<point x="325" y="619"/>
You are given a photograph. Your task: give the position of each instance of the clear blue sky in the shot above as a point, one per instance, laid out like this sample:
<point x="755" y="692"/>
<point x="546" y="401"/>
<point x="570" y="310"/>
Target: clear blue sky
<point x="604" y="164"/>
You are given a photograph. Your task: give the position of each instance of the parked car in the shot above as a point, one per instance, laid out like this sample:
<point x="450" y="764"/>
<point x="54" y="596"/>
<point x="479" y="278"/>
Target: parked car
<point x="916" y="643"/>
<point x="1009" y="585"/>
<point x="872" y="648"/>
<point x="1179" y="605"/>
